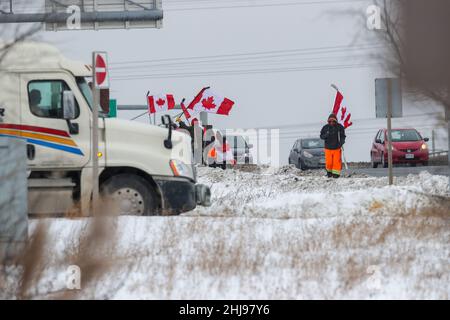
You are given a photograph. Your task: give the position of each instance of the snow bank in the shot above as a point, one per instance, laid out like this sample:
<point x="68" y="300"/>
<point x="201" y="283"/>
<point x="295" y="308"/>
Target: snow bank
<point x="270" y="234"/>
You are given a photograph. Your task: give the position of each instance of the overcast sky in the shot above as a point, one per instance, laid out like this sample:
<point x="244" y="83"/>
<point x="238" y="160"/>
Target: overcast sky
<point x="272" y="86"/>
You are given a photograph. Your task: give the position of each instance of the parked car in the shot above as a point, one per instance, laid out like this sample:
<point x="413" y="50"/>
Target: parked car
<point x="241" y="149"/>
<point x="408" y="146"/>
<point x="308" y="154"/>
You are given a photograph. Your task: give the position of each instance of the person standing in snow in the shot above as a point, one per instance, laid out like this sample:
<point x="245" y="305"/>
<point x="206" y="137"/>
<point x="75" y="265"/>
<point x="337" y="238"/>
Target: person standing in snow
<point x="333" y="134"/>
<point x="195" y="130"/>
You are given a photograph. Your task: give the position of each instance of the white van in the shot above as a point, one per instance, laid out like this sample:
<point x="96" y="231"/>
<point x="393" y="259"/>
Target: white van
<point x="135" y="165"/>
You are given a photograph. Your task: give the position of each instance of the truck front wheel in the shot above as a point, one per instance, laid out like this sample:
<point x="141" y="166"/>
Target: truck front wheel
<point x="129" y="194"/>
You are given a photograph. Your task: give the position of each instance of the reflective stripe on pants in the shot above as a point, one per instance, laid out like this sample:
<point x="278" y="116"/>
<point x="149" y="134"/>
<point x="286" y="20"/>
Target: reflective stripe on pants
<point x="333" y="161"/>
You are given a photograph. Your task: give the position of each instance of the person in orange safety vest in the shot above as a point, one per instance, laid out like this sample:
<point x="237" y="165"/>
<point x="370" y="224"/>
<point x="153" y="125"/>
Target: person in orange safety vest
<point x="333" y="134"/>
<point x="221" y="152"/>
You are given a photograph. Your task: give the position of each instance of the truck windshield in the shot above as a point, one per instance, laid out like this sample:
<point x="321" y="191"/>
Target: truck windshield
<point x="85" y="89"/>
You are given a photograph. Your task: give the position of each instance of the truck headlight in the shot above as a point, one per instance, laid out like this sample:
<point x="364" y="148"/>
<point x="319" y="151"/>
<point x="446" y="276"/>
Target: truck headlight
<point x="424" y="146"/>
<point x="181" y="169"/>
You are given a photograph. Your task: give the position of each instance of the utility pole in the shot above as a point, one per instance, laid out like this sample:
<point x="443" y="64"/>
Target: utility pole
<point x="204" y="118"/>
<point x="433" y="146"/>
<point x="95" y="100"/>
<point x="447" y="117"/>
<point x="389" y="130"/>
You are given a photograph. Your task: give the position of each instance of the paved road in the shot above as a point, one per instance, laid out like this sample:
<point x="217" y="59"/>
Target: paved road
<point x="402" y="171"/>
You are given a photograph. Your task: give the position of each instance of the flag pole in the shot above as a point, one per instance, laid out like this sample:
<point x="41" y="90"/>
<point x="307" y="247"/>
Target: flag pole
<point x="149" y="114"/>
<point x="343" y="157"/>
<point x="178" y="115"/>
<point x="342" y="148"/>
<point x="195" y="98"/>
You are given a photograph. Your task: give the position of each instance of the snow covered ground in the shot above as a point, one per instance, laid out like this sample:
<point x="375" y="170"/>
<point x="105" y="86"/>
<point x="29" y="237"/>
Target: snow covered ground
<point x="270" y="234"/>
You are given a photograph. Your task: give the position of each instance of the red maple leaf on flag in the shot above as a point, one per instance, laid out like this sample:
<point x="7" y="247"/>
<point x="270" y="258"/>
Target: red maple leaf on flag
<point x="208" y="103"/>
<point x="160" y="102"/>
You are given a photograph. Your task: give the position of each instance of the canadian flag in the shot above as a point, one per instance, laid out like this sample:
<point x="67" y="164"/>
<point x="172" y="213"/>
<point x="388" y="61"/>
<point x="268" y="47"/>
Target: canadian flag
<point x="344" y="117"/>
<point x="208" y="101"/>
<point x="160" y="103"/>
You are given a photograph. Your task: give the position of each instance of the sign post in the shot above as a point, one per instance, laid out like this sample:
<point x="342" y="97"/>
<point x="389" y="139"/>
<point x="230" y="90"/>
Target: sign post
<point x="389" y="130"/>
<point x="388" y="101"/>
<point x="100" y="80"/>
<point x="447" y="118"/>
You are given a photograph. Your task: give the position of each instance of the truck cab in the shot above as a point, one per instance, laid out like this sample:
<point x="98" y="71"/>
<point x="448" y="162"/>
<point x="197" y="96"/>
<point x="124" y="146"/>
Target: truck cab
<point x="48" y="103"/>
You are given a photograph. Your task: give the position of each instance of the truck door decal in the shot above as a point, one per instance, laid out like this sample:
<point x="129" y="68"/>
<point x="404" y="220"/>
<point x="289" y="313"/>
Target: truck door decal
<point x="46" y="137"/>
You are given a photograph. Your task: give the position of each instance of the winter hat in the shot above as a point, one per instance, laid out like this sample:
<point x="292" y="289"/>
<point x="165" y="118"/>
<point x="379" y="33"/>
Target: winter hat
<point x="332" y="117"/>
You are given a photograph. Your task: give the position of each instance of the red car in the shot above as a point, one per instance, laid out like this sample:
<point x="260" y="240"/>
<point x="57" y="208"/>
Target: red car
<point x="408" y="146"/>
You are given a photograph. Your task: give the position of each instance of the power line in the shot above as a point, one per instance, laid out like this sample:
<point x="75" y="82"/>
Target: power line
<point x="243" y="1"/>
<point x="237" y="63"/>
<point x="428" y="115"/>
<point x="254" y="55"/>
<point x="239" y="72"/>
<point x="174" y="6"/>
<point x="283" y="4"/>
<point x="246" y="59"/>
<point x="229" y="65"/>
<point x="359" y="134"/>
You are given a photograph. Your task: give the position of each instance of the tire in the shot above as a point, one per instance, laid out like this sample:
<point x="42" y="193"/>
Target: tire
<point x="384" y="163"/>
<point x="425" y="163"/>
<point x="129" y="194"/>
<point x="301" y="166"/>
<point x="374" y="163"/>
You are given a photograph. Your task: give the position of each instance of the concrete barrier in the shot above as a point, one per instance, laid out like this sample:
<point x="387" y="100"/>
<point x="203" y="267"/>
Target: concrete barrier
<point x="13" y="197"/>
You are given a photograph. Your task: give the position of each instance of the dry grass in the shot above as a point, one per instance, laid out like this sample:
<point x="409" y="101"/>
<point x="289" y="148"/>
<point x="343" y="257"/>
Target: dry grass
<point x="236" y="251"/>
<point x="245" y="257"/>
<point x="92" y="252"/>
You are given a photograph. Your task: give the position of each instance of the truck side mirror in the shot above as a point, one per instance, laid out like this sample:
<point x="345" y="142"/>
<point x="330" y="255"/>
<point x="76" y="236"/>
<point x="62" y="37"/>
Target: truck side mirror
<point x="104" y="100"/>
<point x="68" y="105"/>
<point x="426" y="139"/>
<point x="250" y="145"/>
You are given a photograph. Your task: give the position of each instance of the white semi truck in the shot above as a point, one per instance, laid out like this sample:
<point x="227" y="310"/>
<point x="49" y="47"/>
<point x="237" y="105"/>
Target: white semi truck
<point x="46" y="101"/>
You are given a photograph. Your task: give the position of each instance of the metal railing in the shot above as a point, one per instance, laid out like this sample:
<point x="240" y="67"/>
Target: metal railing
<point x="438" y="153"/>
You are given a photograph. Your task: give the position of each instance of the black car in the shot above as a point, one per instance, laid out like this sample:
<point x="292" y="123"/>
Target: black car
<point x="308" y="154"/>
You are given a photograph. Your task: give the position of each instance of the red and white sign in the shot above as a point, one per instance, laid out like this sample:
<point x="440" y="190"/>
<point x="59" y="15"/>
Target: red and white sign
<point x="101" y="79"/>
<point x="160" y="103"/>
<point x="208" y="101"/>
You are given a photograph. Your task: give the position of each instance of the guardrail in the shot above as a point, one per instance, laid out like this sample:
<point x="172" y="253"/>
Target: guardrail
<point x="438" y="153"/>
<point x="13" y="197"/>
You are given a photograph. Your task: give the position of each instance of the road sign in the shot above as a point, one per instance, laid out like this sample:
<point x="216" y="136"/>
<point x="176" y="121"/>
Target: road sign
<point x="112" y="108"/>
<point x="102" y="14"/>
<point x="101" y="79"/>
<point x="381" y="97"/>
<point x="388" y="101"/>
